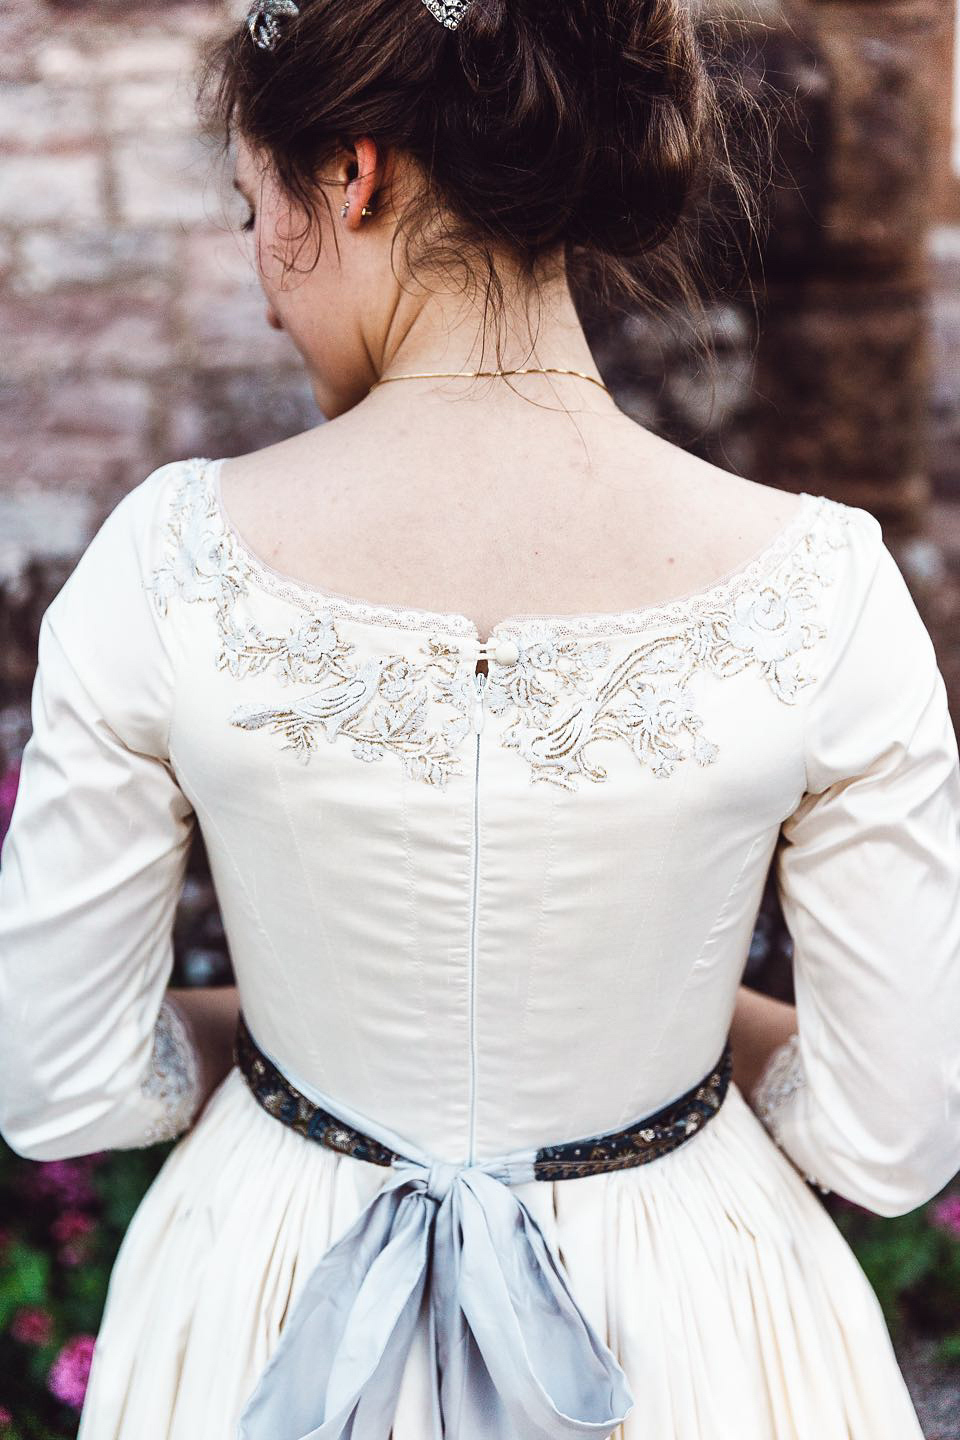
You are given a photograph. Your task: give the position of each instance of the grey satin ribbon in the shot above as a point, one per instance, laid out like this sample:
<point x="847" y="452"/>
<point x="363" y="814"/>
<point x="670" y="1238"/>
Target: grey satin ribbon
<point x="515" y="1357"/>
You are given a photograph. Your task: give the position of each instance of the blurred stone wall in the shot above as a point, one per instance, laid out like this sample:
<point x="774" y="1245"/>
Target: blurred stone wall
<point x="132" y="324"/>
<point x="844" y="352"/>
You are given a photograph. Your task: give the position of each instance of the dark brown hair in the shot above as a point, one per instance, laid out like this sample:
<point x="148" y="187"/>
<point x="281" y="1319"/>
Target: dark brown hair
<point x="601" y="126"/>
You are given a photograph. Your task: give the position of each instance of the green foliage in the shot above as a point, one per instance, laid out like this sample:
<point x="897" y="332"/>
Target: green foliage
<point x="913" y="1263"/>
<point x="62" y="1225"/>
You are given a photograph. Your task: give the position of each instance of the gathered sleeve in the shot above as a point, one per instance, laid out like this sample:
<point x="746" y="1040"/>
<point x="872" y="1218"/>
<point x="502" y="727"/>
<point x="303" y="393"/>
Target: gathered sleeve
<point x="93" y="1054"/>
<point x="865" y="1096"/>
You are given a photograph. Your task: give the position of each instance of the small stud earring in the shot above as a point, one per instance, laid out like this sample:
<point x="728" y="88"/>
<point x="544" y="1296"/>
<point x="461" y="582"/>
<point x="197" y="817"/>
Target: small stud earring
<point x="366" y="211"/>
<point x="344" y="207"/>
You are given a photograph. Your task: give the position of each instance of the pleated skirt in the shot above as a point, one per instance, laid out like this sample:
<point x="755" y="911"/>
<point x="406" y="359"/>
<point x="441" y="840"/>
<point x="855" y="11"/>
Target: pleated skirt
<point x="733" y="1303"/>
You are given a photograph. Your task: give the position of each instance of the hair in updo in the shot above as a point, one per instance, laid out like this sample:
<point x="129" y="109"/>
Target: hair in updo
<point x="600" y="126"/>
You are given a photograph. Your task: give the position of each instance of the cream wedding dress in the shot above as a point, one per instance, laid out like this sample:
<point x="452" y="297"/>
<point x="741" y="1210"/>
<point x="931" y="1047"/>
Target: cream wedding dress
<point x="488" y="914"/>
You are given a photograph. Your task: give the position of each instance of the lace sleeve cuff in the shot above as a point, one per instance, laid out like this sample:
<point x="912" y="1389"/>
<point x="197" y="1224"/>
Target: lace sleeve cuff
<point x="779" y="1080"/>
<point x="174" y="1077"/>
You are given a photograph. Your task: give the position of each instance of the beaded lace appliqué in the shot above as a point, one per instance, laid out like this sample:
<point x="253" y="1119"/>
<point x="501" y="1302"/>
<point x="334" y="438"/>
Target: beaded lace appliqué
<point x="564" y="692"/>
<point x="780" y="1078"/>
<point x="174" y="1075"/>
<point x="381" y="703"/>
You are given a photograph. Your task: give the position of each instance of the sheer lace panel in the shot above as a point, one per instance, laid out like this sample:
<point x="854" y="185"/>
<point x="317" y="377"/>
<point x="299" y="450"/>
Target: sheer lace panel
<point x="781" y="1077"/>
<point x="174" y="1075"/>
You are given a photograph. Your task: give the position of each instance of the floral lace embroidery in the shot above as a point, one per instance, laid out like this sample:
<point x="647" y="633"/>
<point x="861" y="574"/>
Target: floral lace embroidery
<point x="174" y="1075"/>
<point x="564" y="691"/>
<point x="380" y="703"/>
<point x="780" y="1078"/>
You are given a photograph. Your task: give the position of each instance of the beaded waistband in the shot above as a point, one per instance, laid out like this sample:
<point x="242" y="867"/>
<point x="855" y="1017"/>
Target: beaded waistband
<point x="639" y="1142"/>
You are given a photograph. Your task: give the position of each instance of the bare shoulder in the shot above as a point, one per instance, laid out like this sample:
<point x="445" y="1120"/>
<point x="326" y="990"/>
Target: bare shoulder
<point x="729" y="512"/>
<point x="752" y="509"/>
<point x="249" y="477"/>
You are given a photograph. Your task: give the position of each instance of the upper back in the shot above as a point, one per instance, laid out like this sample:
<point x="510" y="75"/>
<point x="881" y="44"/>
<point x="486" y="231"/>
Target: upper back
<point x="473" y="523"/>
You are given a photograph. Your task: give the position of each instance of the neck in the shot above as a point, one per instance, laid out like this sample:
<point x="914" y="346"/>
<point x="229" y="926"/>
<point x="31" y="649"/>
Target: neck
<point x="441" y="337"/>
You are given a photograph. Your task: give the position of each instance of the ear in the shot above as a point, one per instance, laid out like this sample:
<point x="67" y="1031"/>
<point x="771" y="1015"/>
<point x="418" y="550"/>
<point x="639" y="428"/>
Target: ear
<point x="363" y="176"/>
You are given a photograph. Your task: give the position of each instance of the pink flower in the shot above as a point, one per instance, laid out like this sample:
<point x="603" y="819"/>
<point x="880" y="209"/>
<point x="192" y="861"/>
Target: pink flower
<point x="65" y="1180"/>
<point x="32" y="1325"/>
<point x="70" y="1224"/>
<point x="5" y="1417"/>
<point x="74" y="1231"/>
<point x="8" y="794"/>
<point x="71" y="1370"/>
<point x="946" y="1215"/>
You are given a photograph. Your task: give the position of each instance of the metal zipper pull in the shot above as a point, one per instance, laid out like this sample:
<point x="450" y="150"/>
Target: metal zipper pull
<point x="478" y="679"/>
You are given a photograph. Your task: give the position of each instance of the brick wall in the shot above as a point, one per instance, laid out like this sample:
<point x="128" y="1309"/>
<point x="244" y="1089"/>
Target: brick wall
<point x="132" y="323"/>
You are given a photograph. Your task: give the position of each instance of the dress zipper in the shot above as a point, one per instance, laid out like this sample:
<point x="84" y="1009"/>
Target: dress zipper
<point x="479" y="680"/>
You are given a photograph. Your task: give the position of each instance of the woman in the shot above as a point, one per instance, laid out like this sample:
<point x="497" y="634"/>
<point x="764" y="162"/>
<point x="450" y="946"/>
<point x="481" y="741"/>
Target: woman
<point x="490" y="841"/>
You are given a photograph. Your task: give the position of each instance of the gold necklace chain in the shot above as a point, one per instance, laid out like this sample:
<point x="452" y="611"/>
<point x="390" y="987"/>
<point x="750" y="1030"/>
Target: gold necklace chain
<point x="531" y="370"/>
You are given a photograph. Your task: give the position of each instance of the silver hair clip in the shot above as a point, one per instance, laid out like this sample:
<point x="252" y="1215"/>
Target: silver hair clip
<point x="448" y="12"/>
<point x="262" y="21"/>
<point x="263" y="17"/>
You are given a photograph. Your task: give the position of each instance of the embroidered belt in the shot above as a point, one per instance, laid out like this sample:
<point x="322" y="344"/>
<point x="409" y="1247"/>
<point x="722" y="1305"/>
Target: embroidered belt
<point x="515" y="1358"/>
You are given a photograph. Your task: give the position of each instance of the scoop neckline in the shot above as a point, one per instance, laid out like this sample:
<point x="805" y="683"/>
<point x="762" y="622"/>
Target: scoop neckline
<point x="306" y="593"/>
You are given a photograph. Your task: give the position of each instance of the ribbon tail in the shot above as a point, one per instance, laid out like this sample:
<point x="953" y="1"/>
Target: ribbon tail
<point x="549" y="1375"/>
<point x="336" y="1370"/>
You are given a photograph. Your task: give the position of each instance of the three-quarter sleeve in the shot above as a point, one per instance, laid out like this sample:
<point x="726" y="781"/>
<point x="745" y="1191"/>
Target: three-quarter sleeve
<point x="93" y="1054"/>
<point x="865" y="1098"/>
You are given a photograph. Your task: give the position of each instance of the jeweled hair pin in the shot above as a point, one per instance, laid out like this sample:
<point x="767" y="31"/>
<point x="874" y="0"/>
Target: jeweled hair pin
<point x="263" y="19"/>
<point x="448" y="12"/>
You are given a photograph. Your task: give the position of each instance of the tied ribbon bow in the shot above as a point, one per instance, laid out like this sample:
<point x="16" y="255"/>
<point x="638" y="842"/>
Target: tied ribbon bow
<point x="513" y="1354"/>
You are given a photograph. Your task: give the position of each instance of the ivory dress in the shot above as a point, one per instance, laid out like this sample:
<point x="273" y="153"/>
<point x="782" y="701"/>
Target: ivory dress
<point x="490" y="914"/>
